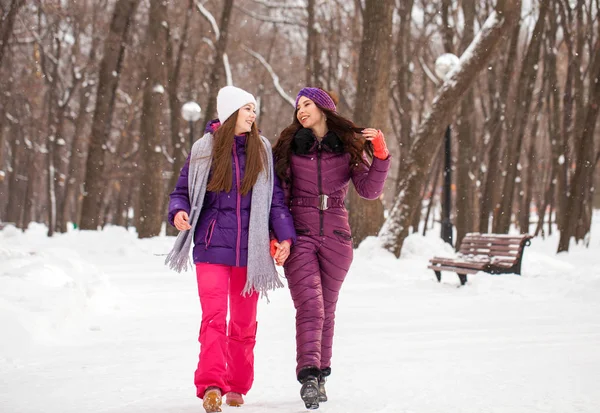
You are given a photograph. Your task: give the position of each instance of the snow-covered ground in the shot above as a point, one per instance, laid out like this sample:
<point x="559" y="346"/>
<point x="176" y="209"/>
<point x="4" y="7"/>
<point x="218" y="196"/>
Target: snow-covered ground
<point x="93" y="322"/>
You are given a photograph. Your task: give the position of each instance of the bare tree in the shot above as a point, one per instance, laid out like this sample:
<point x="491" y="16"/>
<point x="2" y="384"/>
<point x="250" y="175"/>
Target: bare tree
<point x="7" y="21"/>
<point x="313" y="65"/>
<point x="517" y="127"/>
<point x="217" y="70"/>
<point x="372" y="106"/>
<point x="150" y="215"/>
<point x="108" y="80"/>
<point x="582" y="181"/>
<point x="175" y="53"/>
<point x="465" y="170"/>
<point x="498" y="95"/>
<point x="428" y="137"/>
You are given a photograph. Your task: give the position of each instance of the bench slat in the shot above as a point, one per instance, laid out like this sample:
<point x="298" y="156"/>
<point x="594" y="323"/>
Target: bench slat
<point x="498" y="236"/>
<point x="459" y="270"/>
<point x="499" y="241"/>
<point x="490" y="251"/>
<point x="460" y="263"/>
<point x="487" y="243"/>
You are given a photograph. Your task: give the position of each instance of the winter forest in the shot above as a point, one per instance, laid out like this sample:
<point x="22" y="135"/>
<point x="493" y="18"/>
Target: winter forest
<point x="92" y="133"/>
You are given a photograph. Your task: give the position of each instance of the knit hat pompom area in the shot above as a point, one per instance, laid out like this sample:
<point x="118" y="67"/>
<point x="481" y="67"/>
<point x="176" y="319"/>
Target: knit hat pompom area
<point x="322" y="99"/>
<point x="230" y="99"/>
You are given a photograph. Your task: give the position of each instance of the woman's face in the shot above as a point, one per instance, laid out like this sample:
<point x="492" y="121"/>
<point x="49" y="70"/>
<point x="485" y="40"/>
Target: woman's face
<point x="309" y="114"/>
<point x="245" y="118"/>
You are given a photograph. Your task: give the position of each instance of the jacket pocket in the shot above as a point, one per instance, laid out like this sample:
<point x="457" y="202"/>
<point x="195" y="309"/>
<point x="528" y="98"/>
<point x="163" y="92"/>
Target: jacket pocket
<point x="343" y="235"/>
<point x="302" y="231"/>
<point x="209" y="233"/>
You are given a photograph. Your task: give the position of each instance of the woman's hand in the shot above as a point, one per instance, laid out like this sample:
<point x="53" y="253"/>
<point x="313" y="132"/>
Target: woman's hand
<point x="378" y="140"/>
<point x="283" y="251"/>
<point x="181" y="221"/>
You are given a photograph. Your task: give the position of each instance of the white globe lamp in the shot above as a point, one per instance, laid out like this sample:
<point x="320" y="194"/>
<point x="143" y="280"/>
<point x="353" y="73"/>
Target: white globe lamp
<point x="190" y="111"/>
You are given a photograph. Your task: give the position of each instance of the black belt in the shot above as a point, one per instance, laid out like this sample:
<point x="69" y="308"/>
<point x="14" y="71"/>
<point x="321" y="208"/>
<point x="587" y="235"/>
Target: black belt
<point x="321" y="202"/>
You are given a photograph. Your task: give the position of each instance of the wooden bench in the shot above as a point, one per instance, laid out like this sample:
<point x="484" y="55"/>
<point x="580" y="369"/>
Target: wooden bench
<point x="491" y="253"/>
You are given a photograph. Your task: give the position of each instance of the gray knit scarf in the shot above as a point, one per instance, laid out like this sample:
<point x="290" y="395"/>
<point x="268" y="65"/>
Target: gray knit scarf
<point x="262" y="275"/>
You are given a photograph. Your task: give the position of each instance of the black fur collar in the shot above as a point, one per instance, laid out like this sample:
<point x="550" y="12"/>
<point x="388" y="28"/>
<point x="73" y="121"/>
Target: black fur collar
<point x="305" y="142"/>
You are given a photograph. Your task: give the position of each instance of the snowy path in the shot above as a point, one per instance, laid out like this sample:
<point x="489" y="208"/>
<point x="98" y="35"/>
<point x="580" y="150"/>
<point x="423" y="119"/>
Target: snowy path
<point x="403" y="344"/>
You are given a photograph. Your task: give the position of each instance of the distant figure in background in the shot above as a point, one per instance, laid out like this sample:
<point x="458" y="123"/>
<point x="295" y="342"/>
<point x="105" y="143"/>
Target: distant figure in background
<point x="228" y="199"/>
<point x="316" y="157"/>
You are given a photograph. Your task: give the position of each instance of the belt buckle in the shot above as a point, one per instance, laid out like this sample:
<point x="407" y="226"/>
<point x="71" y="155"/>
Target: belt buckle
<point x="323" y="202"/>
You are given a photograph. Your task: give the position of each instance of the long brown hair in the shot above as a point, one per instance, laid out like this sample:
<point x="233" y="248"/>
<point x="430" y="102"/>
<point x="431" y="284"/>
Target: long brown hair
<point x="222" y="175"/>
<point x="350" y="134"/>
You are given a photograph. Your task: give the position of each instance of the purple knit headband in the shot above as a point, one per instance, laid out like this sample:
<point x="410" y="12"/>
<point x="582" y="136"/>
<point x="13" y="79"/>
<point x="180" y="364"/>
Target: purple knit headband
<point x="319" y="96"/>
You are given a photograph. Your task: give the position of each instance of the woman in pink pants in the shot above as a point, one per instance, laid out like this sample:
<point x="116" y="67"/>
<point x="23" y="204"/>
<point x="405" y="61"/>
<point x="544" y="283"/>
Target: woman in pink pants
<point x="229" y="204"/>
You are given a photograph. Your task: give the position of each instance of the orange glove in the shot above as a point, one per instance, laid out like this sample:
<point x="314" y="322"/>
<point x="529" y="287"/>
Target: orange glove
<point x="273" y="248"/>
<point x="380" y="149"/>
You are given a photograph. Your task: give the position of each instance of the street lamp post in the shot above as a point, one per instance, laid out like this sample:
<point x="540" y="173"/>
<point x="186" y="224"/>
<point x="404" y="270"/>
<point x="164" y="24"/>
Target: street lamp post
<point x="443" y="65"/>
<point x="190" y="111"/>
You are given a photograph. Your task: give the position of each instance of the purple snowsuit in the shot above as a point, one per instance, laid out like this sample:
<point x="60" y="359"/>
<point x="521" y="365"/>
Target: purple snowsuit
<point x="221" y="235"/>
<point x="320" y="174"/>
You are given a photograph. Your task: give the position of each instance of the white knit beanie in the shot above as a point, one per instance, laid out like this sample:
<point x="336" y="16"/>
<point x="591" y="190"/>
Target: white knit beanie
<point x="230" y="99"/>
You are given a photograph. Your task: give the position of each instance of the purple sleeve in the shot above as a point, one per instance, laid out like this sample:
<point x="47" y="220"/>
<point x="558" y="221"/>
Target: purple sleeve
<point x="281" y="221"/>
<point x="179" y="198"/>
<point x="369" y="181"/>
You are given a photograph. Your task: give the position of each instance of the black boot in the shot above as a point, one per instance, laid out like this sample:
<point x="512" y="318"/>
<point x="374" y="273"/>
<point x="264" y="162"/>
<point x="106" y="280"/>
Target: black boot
<point x="322" y="379"/>
<point x="309" y="392"/>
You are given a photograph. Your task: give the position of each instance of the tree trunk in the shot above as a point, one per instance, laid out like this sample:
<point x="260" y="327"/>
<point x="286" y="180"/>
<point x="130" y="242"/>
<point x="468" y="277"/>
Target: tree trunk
<point x="517" y="130"/>
<point x="178" y="141"/>
<point x="216" y="75"/>
<point x="404" y="76"/>
<point x="6" y="23"/>
<point x="112" y="62"/>
<point x="532" y="170"/>
<point x="430" y="133"/>
<point x="60" y="168"/>
<point x="436" y="174"/>
<point x="582" y="180"/>
<point x="567" y="120"/>
<point x="311" y="64"/>
<point x="31" y="190"/>
<point x="16" y="180"/>
<point x="372" y="106"/>
<point x="465" y="185"/>
<point x="150" y="216"/>
<point x="76" y="168"/>
<point x="490" y="193"/>
<point x="553" y="113"/>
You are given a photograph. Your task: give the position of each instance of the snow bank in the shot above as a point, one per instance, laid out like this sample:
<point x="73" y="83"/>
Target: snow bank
<point x="48" y="291"/>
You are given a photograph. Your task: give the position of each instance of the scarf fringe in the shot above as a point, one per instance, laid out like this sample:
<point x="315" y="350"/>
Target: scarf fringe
<point x="178" y="262"/>
<point x="262" y="284"/>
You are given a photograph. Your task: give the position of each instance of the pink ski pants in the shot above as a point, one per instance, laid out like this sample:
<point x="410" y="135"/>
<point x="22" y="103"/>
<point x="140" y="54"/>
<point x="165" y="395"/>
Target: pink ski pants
<point x="226" y="351"/>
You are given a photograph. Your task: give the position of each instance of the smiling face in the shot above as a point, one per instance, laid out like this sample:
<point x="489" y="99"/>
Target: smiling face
<point x="309" y="115"/>
<point x="245" y="118"/>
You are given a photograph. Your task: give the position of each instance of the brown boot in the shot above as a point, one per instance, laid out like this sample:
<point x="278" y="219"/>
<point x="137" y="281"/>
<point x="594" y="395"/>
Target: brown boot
<point x="212" y="400"/>
<point x="234" y="399"/>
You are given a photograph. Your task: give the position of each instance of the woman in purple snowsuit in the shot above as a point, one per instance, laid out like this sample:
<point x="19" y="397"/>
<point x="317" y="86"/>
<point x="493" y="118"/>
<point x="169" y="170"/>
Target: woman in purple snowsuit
<point x="316" y="157"/>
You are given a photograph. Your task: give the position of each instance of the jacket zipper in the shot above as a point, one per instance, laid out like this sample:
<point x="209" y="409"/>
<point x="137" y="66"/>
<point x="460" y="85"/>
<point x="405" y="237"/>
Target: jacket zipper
<point x="238" y="203"/>
<point x="209" y="233"/>
<point x="320" y="187"/>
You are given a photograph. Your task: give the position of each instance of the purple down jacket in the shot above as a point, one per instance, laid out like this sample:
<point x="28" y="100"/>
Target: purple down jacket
<point x="221" y="235"/>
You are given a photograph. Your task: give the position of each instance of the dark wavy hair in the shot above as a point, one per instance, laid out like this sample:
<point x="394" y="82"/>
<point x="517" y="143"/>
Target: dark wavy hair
<point x="350" y="135"/>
